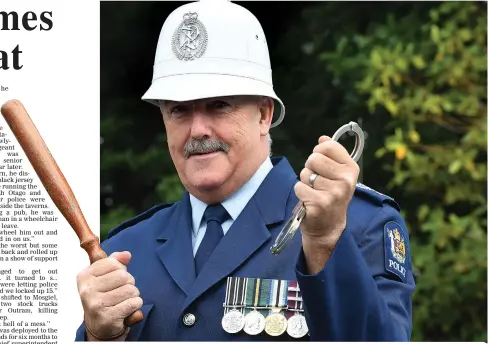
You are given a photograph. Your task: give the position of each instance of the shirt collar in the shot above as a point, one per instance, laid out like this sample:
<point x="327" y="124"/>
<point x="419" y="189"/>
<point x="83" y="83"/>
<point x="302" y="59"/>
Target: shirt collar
<point x="237" y="201"/>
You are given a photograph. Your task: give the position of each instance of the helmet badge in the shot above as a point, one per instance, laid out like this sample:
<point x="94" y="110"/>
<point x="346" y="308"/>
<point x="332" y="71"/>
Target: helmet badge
<point x="190" y="38"/>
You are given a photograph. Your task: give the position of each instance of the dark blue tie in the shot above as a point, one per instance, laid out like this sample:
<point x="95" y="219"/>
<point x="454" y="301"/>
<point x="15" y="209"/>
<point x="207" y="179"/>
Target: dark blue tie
<point x="214" y="216"/>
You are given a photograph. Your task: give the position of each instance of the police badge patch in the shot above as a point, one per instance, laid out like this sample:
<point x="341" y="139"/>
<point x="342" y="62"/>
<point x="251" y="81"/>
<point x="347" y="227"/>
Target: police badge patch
<point x="395" y="250"/>
<point x="190" y="38"/>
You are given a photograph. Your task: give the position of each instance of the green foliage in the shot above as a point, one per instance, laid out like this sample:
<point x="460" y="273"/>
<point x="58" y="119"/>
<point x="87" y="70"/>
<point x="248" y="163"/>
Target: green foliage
<point x="113" y="218"/>
<point x="427" y="71"/>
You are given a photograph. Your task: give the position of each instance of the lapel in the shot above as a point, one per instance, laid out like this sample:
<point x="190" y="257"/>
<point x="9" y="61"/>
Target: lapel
<point x="249" y="232"/>
<point x="176" y="251"/>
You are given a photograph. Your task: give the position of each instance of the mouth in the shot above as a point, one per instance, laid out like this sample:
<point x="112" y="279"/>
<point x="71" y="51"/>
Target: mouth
<point x="204" y="155"/>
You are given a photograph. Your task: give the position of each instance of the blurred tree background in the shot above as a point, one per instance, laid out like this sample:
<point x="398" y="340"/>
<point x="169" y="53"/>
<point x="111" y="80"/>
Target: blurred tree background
<point x="413" y="74"/>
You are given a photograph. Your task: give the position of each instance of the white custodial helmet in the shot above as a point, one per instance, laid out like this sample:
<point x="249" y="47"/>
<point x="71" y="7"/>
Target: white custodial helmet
<point x="211" y="48"/>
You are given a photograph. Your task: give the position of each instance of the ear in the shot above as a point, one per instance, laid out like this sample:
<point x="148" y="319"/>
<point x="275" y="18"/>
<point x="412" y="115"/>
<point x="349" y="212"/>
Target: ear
<point x="266" y="110"/>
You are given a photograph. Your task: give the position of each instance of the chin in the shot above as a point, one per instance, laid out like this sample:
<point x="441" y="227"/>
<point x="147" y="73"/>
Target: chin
<point x="208" y="177"/>
<point x="207" y="181"/>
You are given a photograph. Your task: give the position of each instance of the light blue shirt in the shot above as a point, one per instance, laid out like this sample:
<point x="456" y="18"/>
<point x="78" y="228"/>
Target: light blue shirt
<point x="234" y="204"/>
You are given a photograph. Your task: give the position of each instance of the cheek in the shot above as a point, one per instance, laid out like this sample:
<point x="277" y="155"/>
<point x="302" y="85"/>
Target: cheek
<point x="243" y="130"/>
<point x="175" y="147"/>
<point x="239" y="140"/>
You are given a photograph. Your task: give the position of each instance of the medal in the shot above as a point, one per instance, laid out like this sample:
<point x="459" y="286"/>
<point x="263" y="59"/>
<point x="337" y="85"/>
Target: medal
<point x="297" y="324"/>
<point x="254" y="321"/>
<point x="233" y="320"/>
<point x="276" y="322"/>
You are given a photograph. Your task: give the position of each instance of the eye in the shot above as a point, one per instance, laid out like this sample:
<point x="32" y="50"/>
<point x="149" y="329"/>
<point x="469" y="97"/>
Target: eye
<point x="220" y="105"/>
<point x="178" y="110"/>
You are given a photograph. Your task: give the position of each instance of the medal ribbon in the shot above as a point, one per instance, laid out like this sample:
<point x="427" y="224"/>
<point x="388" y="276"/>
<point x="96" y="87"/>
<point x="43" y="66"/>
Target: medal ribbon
<point x="278" y="295"/>
<point x="264" y="295"/>
<point x="294" y="299"/>
<point x="227" y="294"/>
<point x="264" y="291"/>
<point x="253" y="292"/>
<point x="235" y="293"/>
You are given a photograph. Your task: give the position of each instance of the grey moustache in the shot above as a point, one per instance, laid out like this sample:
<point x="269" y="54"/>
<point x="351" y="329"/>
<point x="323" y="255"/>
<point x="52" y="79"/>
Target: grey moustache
<point x="204" y="147"/>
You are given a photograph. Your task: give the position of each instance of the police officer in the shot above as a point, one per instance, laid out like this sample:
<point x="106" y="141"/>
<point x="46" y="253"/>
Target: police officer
<point x="201" y="268"/>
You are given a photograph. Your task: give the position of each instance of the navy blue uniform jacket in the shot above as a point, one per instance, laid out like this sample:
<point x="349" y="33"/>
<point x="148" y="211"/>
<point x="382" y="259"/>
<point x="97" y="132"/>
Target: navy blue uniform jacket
<point x="362" y="294"/>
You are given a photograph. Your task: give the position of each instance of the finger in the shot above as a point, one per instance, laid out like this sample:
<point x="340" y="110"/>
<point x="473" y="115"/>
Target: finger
<point x="109" y="264"/>
<point x="319" y="199"/>
<point x="306" y="194"/>
<point x="333" y="150"/>
<point x="126" y="308"/>
<point x="305" y="174"/>
<point x="119" y="295"/>
<point x="113" y="280"/>
<point x="123" y="257"/>
<point x="324" y="138"/>
<point x="324" y="167"/>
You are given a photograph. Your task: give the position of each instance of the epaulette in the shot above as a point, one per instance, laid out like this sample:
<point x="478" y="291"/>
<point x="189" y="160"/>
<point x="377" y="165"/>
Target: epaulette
<point x="376" y="196"/>
<point x="145" y="215"/>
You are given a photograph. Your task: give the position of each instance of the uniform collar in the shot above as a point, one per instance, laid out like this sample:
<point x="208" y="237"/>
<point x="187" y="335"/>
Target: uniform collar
<point x="237" y="201"/>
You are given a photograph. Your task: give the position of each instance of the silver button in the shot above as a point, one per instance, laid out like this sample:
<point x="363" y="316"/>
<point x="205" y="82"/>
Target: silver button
<point x="189" y="319"/>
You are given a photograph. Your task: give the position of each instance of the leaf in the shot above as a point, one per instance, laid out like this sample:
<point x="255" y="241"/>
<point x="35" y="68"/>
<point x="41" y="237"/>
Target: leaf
<point x="435" y="34"/>
<point x="465" y="34"/>
<point x="423" y="212"/>
<point x="455" y="166"/>
<point x="391" y="107"/>
<point x="418" y="62"/>
<point x="380" y="152"/>
<point x="414" y="136"/>
<point x="342" y="44"/>
<point x="376" y="59"/>
<point x="401" y="63"/>
<point x="447" y="106"/>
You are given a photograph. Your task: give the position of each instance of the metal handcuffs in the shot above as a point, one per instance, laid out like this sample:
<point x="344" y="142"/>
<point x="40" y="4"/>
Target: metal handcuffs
<point x="291" y="226"/>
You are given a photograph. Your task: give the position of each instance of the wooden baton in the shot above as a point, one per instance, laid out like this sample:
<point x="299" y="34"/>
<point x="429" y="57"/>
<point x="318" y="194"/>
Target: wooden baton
<point x="55" y="183"/>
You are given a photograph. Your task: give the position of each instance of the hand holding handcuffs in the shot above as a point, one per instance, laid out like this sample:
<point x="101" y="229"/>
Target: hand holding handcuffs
<point x="299" y="212"/>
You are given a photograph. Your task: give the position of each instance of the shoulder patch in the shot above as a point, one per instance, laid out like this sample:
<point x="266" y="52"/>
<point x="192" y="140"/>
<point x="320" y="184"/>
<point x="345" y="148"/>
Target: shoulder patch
<point x="395" y="250"/>
<point x="145" y="215"/>
<point x="376" y="196"/>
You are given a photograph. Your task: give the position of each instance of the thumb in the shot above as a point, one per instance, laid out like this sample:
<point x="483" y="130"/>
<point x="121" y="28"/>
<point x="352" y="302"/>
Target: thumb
<point x="123" y="257"/>
<point x="324" y="138"/>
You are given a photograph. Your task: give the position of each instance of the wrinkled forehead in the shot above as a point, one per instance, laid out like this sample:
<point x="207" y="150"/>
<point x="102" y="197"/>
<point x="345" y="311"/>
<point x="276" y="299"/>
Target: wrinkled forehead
<point x="237" y="100"/>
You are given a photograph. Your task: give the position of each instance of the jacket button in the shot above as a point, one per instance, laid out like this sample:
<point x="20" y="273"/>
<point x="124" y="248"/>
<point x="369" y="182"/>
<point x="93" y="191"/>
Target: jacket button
<point x="189" y="319"/>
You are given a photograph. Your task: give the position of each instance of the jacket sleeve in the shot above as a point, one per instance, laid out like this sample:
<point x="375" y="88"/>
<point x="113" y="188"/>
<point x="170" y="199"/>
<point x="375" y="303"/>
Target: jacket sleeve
<point x="134" y="333"/>
<point x="364" y="291"/>
<point x="81" y="334"/>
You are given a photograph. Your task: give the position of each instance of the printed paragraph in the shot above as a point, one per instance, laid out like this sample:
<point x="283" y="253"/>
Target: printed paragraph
<point x="28" y="253"/>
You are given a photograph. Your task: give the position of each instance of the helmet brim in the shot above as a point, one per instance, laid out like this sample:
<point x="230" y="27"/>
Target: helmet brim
<point x="187" y="87"/>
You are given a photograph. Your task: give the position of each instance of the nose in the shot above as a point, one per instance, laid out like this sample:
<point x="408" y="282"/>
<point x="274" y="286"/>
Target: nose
<point x="201" y="124"/>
